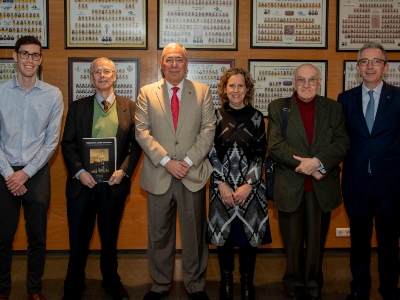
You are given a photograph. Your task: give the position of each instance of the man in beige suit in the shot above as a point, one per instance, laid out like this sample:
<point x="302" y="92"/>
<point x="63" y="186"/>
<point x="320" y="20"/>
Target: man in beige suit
<point x="175" y="126"/>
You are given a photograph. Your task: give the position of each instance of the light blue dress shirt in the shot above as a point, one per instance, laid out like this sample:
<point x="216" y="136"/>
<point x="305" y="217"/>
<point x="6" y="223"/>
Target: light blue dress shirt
<point x="30" y="125"/>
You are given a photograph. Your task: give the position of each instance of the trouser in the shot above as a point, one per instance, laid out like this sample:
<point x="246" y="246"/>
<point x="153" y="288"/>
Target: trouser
<point x="35" y="203"/>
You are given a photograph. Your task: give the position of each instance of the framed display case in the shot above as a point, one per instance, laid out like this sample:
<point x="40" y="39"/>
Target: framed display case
<point x="209" y="72"/>
<point x="198" y="24"/>
<point x="274" y="79"/>
<point x="80" y="86"/>
<point x="112" y="24"/>
<point x="351" y="78"/>
<point x="289" y="24"/>
<point x="9" y="68"/>
<point x="360" y="21"/>
<point x="20" y="18"/>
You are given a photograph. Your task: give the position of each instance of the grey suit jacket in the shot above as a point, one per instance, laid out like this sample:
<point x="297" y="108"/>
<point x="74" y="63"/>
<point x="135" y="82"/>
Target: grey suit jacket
<point x="156" y="135"/>
<point x="330" y="144"/>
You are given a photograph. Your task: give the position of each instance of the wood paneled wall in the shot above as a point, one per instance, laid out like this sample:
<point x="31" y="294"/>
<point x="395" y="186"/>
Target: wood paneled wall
<point x="133" y="233"/>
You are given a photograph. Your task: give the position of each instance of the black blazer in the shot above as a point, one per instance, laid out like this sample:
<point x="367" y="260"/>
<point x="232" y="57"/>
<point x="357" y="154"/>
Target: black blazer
<point x="79" y="125"/>
<point x="381" y="146"/>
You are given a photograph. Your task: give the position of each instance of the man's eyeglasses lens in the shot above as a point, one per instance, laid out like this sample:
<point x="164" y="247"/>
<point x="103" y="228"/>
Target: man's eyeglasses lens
<point x="25" y="55"/>
<point x="171" y="61"/>
<point x="311" y="81"/>
<point x="374" y="61"/>
<point x="99" y="72"/>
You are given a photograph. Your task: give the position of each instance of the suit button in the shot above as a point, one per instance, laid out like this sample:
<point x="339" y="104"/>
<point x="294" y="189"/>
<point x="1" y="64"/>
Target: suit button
<point x="176" y="143"/>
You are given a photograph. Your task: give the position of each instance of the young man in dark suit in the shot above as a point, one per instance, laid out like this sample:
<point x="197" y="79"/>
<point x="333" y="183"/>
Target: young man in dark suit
<point x="371" y="176"/>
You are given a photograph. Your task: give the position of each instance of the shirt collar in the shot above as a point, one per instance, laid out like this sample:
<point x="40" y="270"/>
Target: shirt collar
<point x="170" y="86"/>
<point x="377" y="90"/>
<point x="38" y="83"/>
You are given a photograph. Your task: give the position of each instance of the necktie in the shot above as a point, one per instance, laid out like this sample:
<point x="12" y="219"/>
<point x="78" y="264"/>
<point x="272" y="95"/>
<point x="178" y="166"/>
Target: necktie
<point x="370" y="112"/>
<point x="175" y="106"/>
<point x="105" y="103"/>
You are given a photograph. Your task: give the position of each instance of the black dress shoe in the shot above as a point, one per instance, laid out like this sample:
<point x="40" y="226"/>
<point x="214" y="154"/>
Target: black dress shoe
<point x="201" y="295"/>
<point x="355" y="296"/>
<point x="153" y="296"/>
<point x="118" y="294"/>
<point x="71" y="297"/>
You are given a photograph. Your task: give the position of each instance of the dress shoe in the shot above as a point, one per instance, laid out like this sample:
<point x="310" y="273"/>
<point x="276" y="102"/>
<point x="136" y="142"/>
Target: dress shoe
<point x="355" y="296"/>
<point x="154" y="296"/>
<point x="37" y="296"/>
<point x="201" y="295"/>
<point x="118" y="294"/>
<point x="3" y="298"/>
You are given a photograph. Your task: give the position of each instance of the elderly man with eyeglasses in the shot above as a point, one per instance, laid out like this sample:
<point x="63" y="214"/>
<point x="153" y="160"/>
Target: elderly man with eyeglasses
<point x="307" y="177"/>
<point x="371" y="177"/>
<point x="30" y="121"/>
<point x="102" y="115"/>
<point x="175" y="125"/>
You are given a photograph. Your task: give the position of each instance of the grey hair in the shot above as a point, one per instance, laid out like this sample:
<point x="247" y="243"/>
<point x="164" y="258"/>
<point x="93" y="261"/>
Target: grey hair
<point x="172" y="45"/>
<point x="372" y="45"/>
<point x="101" y="58"/>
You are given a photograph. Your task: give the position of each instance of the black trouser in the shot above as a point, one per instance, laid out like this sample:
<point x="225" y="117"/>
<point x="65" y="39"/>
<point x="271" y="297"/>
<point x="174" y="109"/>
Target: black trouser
<point x="82" y="212"/>
<point x="35" y="203"/>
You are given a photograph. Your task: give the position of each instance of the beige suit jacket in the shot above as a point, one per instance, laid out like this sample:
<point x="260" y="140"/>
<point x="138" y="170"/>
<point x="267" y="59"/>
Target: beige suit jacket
<point x="156" y="135"/>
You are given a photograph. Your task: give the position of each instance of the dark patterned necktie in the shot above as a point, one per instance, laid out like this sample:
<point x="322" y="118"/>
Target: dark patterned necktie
<point x="175" y="106"/>
<point x="105" y="103"/>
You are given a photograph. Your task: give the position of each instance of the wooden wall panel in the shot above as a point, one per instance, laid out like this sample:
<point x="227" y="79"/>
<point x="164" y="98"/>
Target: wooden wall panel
<point x="133" y="234"/>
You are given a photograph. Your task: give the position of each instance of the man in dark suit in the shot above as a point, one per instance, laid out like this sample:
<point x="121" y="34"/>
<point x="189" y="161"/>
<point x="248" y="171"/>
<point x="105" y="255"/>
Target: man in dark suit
<point x="371" y="174"/>
<point x="307" y="181"/>
<point x="104" y="114"/>
<point x="175" y="125"/>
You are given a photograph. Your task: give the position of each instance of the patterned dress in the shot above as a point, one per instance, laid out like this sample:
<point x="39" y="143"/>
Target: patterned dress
<point x="237" y="156"/>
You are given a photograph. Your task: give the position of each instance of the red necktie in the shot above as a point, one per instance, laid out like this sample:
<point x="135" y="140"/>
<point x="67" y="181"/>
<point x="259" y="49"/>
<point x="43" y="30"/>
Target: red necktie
<point x="175" y="106"/>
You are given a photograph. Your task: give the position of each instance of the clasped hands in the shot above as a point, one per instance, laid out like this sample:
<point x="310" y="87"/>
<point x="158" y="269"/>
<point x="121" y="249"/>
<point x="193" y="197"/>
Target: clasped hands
<point x="87" y="179"/>
<point x="232" y="198"/>
<point x="16" y="183"/>
<point x="177" y="168"/>
<point x="308" y="166"/>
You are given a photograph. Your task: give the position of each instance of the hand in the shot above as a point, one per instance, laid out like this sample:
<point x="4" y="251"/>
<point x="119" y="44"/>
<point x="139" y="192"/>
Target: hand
<point x="116" y="177"/>
<point x="242" y="193"/>
<point x="178" y="169"/>
<point x="87" y="179"/>
<point x="317" y="175"/>
<point x="16" y="180"/>
<point x="22" y="190"/>
<point x="307" y="165"/>
<point x="226" y="194"/>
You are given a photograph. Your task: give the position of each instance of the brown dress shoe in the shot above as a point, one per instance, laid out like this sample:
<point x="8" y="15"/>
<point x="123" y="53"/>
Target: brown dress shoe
<point x="38" y="296"/>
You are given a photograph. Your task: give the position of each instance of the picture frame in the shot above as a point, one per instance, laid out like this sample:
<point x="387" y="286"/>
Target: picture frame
<point x="9" y="69"/>
<point x="274" y="79"/>
<point x="198" y="24"/>
<point x="209" y="72"/>
<point x="351" y="78"/>
<point x="79" y="85"/>
<point x="22" y="18"/>
<point x="112" y="24"/>
<point x="360" y="21"/>
<point x="289" y="24"/>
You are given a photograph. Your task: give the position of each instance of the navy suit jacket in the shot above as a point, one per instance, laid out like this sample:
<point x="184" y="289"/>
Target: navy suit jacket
<point x="79" y="125"/>
<point x="381" y="146"/>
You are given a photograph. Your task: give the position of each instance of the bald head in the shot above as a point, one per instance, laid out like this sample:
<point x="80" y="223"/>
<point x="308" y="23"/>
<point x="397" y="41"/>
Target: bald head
<point x="307" y="80"/>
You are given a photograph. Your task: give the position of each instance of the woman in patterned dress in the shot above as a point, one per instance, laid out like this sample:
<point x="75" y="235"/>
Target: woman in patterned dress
<point x="238" y="214"/>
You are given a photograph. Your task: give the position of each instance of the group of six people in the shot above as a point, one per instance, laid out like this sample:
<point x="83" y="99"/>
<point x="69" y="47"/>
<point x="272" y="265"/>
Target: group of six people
<point x="186" y="142"/>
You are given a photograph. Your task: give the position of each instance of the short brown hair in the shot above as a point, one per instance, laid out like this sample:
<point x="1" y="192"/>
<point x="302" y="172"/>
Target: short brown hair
<point x="27" y="40"/>
<point x="249" y="81"/>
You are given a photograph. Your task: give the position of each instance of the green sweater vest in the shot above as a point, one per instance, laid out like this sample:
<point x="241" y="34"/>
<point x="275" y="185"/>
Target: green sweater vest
<point x="105" y="124"/>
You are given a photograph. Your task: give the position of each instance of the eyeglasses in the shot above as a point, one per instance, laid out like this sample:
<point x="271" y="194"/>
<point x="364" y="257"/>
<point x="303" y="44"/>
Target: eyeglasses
<point x="375" y="61"/>
<point x="25" y="55"/>
<point x="178" y="60"/>
<point x="106" y="72"/>
<point x="302" y="81"/>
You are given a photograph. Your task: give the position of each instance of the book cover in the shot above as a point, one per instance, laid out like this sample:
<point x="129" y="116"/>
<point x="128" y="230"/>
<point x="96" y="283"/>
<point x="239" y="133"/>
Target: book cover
<point x="100" y="158"/>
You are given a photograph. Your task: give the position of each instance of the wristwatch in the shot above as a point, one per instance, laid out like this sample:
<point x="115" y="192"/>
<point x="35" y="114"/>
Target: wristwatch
<point x="322" y="171"/>
<point x="123" y="172"/>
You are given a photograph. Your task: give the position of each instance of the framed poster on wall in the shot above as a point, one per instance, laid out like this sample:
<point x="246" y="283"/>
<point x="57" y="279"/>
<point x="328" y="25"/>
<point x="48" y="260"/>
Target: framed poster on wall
<point x="9" y="69"/>
<point x="80" y="86"/>
<point x="209" y="72"/>
<point x="274" y="79"/>
<point x="20" y="18"/>
<point x="198" y="24"/>
<point x="351" y="78"/>
<point x="106" y="24"/>
<point x="361" y="21"/>
<point x="289" y="24"/>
